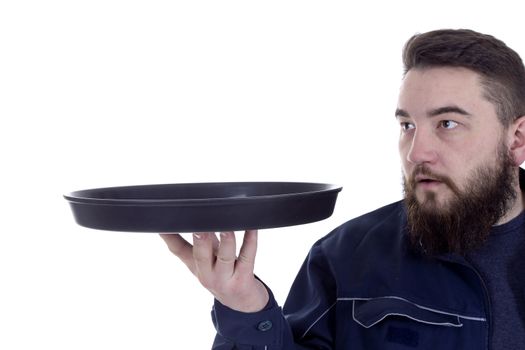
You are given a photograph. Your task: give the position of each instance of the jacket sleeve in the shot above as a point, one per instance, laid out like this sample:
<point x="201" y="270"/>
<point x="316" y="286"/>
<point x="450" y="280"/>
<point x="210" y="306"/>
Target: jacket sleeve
<point x="306" y="323"/>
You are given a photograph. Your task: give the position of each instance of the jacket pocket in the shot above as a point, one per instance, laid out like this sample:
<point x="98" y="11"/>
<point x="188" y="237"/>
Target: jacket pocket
<point x="369" y="312"/>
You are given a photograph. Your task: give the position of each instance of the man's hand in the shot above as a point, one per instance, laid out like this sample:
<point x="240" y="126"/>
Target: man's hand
<point x="229" y="278"/>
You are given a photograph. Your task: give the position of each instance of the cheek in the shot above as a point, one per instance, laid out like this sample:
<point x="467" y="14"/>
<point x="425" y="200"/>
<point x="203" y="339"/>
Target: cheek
<point x="482" y="153"/>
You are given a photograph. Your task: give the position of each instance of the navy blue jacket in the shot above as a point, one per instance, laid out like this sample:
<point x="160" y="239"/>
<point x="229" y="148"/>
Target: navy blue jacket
<point x="361" y="287"/>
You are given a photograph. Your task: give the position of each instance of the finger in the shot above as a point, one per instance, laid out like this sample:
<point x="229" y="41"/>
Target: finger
<point x="181" y="248"/>
<point x="225" y="263"/>
<point x="246" y="260"/>
<point x="215" y="243"/>
<point x="204" y="256"/>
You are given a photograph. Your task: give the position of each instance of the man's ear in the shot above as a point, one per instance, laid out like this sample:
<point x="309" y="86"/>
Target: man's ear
<point x="517" y="144"/>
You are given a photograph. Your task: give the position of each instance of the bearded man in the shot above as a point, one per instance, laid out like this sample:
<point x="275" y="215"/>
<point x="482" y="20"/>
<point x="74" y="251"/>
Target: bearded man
<point x="443" y="269"/>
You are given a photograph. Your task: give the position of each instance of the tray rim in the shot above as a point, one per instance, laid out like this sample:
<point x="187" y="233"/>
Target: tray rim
<point x="75" y="197"/>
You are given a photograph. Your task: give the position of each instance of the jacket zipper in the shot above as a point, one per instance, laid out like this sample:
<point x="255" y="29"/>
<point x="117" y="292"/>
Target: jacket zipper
<point x="488" y="306"/>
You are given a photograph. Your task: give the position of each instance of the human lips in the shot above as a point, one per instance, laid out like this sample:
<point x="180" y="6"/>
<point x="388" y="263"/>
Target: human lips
<point x="426" y="179"/>
<point x="428" y="184"/>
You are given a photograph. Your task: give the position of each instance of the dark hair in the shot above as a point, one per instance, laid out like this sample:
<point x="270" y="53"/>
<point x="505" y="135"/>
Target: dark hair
<point x="501" y="68"/>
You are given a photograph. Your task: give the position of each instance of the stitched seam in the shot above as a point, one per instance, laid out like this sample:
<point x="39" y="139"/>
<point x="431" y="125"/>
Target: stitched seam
<point x="471" y="318"/>
<point x="317" y="320"/>
<point x="448" y="324"/>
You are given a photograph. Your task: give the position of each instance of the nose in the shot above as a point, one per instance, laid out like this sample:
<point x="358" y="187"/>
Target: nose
<point x="422" y="147"/>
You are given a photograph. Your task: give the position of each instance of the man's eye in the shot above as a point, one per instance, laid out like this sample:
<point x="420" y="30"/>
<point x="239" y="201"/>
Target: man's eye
<point x="407" y="126"/>
<point x="448" y="124"/>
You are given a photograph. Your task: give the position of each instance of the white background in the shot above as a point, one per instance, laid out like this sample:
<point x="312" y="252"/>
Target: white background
<point x="108" y="93"/>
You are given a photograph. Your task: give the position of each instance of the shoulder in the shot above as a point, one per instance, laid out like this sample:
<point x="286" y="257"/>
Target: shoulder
<point x="383" y="221"/>
<point x="378" y="231"/>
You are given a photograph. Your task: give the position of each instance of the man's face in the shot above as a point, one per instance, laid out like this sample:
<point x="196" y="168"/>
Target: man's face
<point x="448" y="130"/>
<point x="458" y="173"/>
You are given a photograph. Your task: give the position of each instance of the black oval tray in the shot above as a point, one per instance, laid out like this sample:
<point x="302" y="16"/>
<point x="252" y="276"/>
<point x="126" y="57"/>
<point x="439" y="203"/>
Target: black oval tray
<point x="203" y="207"/>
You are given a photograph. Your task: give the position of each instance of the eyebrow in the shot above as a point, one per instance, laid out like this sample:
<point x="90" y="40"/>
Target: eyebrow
<point x="435" y="112"/>
<point x="401" y="113"/>
<point x="448" y="109"/>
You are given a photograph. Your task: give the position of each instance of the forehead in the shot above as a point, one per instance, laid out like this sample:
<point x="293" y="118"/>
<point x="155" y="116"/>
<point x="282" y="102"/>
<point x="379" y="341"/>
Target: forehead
<point x="431" y="88"/>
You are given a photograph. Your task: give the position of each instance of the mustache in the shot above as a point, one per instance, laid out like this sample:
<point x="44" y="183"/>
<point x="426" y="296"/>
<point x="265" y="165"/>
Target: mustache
<point x="422" y="170"/>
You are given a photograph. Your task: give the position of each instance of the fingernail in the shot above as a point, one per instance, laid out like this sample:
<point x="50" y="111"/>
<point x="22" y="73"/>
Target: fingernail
<point x="197" y="235"/>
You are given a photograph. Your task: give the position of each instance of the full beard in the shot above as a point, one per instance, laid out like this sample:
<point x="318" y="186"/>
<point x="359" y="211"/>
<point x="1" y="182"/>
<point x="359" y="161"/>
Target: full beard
<point x="463" y="223"/>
